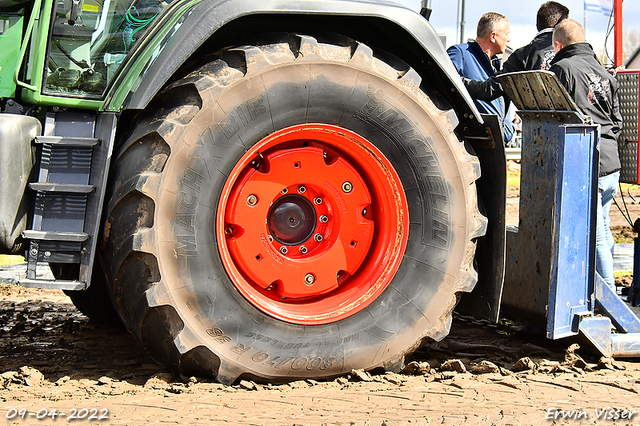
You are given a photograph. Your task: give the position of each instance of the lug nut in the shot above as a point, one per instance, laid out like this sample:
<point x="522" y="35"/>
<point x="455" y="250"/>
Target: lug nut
<point x="252" y="200"/>
<point x="324" y="219"/>
<point x="309" y="279"/>
<point x="303" y="249"/>
<point x="347" y="187"/>
<point x="284" y="250"/>
<point x="317" y="200"/>
<point x="302" y="189"/>
<point x="317" y="237"/>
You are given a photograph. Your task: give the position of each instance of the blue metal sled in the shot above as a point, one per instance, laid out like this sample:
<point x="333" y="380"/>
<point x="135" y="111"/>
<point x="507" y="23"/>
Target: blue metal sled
<point x="550" y="272"/>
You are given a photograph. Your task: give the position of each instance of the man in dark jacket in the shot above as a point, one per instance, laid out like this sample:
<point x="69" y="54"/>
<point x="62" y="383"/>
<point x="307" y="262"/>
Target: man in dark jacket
<point x="478" y="60"/>
<point x="536" y="55"/>
<point x="595" y="92"/>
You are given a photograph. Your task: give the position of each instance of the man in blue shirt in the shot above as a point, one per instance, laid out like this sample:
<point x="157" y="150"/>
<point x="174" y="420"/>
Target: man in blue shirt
<point x="478" y="60"/>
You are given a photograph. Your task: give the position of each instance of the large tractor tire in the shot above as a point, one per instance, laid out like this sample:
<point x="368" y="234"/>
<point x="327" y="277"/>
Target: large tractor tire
<point x="291" y="210"/>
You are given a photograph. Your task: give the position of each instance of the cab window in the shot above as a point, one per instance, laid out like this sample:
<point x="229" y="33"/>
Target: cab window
<point x="89" y="41"/>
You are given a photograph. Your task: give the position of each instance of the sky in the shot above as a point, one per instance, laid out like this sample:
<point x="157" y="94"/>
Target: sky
<point x="522" y="19"/>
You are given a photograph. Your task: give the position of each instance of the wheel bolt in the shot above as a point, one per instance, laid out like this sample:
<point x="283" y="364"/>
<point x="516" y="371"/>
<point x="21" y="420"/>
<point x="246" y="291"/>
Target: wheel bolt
<point x="284" y="191"/>
<point x="317" y="200"/>
<point x="317" y="237"/>
<point x="252" y="200"/>
<point x="347" y="187"/>
<point x="270" y="238"/>
<point x="302" y="189"/>
<point x="309" y="279"/>
<point x="303" y="249"/>
<point x="284" y="250"/>
<point x="324" y="219"/>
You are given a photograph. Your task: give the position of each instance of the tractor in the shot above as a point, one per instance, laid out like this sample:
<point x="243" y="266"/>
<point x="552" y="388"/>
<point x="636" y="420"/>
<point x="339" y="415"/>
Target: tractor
<point x="271" y="190"/>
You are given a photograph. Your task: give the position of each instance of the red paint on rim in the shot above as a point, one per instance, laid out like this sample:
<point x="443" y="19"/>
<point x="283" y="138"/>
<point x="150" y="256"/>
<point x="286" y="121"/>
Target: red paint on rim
<point x="312" y="224"/>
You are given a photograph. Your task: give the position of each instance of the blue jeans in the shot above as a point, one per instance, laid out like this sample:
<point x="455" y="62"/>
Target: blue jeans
<point x="607" y="190"/>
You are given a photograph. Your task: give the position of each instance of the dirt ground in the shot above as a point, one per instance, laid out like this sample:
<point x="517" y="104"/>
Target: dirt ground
<point x="57" y="368"/>
<point x="624" y="212"/>
<point x="627" y="205"/>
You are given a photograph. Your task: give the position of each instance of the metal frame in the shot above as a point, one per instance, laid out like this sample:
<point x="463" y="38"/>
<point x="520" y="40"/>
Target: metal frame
<point x="551" y="259"/>
<point x="573" y="265"/>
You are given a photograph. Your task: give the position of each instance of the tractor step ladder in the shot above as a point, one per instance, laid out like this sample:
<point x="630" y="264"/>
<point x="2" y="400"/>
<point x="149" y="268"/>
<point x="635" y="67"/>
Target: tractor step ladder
<point x="75" y="153"/>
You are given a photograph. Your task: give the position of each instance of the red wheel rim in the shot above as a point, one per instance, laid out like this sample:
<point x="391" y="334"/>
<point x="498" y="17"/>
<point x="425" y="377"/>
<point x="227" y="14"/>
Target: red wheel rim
<point x="312" y="224"/>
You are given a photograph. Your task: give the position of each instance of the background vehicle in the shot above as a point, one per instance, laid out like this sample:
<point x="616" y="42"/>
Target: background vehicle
<point x="273" y="190"/>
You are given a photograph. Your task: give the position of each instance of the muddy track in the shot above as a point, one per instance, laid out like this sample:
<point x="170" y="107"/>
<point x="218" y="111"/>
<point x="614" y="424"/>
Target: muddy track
<point x="51" y="358"/>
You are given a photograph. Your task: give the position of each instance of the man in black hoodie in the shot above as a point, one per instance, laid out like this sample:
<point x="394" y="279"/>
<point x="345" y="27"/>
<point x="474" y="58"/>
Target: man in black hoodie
<point x="595" y="92"/>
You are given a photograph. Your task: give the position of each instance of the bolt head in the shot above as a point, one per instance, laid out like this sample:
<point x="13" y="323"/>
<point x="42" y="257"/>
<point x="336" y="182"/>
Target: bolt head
<point x="284" y="250"/>
<point x="252" y="200"/>
<point x="347" y="187"/>
<point x="324" y="219"/>
<point x="303" y="249"/>
<point x="318" y="237"/>
<point x="302" y="189"/>
<point x="309" y="279"/>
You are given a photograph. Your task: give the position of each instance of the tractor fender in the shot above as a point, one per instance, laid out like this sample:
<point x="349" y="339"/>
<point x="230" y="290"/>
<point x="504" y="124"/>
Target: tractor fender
<point x="388" y="26"/>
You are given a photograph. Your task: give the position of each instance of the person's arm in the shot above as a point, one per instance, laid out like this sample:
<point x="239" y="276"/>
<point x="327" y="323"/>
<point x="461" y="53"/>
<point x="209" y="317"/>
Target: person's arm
<point x="487" y="90"/>
<point x="616" y="116"/>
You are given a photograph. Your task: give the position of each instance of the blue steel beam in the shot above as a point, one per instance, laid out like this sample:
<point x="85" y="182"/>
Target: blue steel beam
<point x="610" y="303"/>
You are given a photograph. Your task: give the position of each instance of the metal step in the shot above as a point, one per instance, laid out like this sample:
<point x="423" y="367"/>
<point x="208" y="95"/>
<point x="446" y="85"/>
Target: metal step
<point x="67" y="141"/>
<point x="74" y="167"/>
<point x="55" y="235"/>
<point x="56" y="284"/>
<point x="62" y="187"/>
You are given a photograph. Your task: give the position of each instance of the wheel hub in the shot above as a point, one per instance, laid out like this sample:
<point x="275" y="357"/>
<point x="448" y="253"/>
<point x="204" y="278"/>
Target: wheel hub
<point x="297" y="224"/>
<point x="292" y="220"/>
